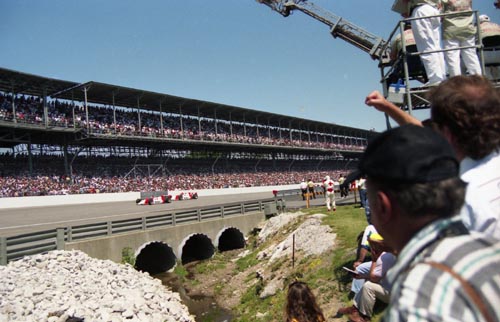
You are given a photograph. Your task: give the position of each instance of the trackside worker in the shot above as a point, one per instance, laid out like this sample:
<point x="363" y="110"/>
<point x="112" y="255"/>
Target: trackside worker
<point x="303" y="189"/>
<point x="329" y="186"/>
<point x="310" y="188"/>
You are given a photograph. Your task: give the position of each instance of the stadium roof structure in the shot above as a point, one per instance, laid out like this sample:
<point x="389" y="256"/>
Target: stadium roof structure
<point x="12" y="81"/>
<point x="114" y="95"/>
<point x="108" y="94"/>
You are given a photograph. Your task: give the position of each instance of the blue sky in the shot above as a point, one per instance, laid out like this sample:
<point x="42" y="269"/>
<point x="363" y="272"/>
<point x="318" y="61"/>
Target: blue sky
<point x="236" y="52"/>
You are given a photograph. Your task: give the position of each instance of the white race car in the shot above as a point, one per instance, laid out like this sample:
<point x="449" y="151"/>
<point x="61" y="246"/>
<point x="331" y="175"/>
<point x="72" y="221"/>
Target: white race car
<point x="186" y="196"/>
<point x="154" y="200"/>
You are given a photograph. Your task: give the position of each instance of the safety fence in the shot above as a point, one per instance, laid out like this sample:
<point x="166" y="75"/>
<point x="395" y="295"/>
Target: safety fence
<point x="15" y="247"/>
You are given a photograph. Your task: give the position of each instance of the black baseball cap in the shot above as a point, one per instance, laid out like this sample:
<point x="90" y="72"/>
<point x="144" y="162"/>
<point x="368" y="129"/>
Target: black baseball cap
<point x="409" y="154"/>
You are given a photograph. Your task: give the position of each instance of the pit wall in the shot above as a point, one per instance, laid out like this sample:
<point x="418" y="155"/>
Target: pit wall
<point x="42" y="201"/>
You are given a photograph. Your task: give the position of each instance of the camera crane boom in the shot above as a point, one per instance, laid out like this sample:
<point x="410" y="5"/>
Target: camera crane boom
<point x="339" y="27"/>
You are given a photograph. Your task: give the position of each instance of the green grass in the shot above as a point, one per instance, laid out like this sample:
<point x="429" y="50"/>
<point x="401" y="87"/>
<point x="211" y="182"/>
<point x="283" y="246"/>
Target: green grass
<point x="181" y="271"/>
<point x="247" y="261"/>
<point x="251" y="304"/>
<point x="324" y="272"/>
<point x="218" y="261"/>
<point x="128" y="256"/>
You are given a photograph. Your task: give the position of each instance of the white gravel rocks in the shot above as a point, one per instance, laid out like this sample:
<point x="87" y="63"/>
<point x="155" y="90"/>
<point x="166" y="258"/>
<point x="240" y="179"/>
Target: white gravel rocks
<point x="62" y="284"/>
<point x="311" y="237"/>
<point x="274" y="224"/>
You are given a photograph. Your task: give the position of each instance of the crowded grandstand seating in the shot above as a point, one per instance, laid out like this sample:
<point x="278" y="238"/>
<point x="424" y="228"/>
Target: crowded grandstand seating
<point x="105" y="171"/>
<point x="101" y="121"/>
<point x="97" y="174"/>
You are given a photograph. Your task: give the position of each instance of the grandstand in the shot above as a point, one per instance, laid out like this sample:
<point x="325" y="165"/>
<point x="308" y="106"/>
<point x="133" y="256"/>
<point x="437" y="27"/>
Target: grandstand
<point x="63" y="137"/>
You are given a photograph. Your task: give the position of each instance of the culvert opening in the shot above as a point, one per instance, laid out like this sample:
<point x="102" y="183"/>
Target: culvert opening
<point x="231" y="239"/>
<point x="197" y="247"/>
<point x="155" y="258"/>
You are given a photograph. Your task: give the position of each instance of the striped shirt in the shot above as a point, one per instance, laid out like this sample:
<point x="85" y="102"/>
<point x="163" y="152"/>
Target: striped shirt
<point x="421" y="292"/>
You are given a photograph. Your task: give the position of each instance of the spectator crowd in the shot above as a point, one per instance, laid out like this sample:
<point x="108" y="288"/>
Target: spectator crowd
<point x="109" y="121"/>
<point x="97" y="174"/>
<point x="115" y="174"/>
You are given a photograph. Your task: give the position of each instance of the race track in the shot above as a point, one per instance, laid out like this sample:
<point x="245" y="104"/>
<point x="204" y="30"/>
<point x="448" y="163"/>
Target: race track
<point x="30" y="219"/>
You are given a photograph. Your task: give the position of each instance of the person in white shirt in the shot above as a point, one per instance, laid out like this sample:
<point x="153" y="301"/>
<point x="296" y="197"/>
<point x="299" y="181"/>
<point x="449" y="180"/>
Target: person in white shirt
<point x="329" y="187"/>
<point x="303" y="188"/>
<point x="466" y="111"/>
<point x="426" y="27"/>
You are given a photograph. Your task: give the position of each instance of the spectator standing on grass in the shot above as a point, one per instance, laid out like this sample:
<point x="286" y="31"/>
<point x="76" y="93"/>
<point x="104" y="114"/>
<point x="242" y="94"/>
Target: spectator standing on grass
<point x="443" y="272"/>
<point x="329" y="190"/>
<point x="466" y="111"/>
<point x="362" y="191"/>
<point x="460" y="31"/>
<point x="301" y="305"/>
<point x="363" y="199"/>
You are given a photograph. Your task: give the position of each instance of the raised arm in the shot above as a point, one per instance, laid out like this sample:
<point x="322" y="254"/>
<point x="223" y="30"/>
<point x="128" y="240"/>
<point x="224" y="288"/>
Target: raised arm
<point x="378" y="101"/>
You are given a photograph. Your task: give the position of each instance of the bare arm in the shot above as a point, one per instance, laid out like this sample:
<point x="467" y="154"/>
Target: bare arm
<point x="361" y="258"/>
<point x="372" y="277"/>
<point x="378" y="101"/>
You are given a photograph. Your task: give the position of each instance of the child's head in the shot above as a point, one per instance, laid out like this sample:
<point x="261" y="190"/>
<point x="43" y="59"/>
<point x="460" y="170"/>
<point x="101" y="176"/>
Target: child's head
<point x="301" y="304"/>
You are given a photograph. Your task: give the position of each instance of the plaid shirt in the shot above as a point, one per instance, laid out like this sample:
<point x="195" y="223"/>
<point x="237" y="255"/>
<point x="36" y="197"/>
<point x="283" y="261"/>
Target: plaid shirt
<point x="421" y="292"/>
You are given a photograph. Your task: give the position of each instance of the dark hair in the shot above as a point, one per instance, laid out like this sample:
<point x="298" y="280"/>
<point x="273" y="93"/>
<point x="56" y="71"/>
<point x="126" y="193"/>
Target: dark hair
<point x="469" y="106"/>
<point x="430" y="124"/>
<point x="440" y="198"/>
<point x="301" y="304"/>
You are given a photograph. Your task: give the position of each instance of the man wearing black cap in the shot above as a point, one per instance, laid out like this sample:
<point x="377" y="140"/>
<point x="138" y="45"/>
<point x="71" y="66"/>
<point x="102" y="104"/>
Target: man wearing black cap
<point x="443" y="272"/>
<point x="466" y="111"/>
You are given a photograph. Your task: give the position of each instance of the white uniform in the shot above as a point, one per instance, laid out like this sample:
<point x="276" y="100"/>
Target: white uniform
<point x="329" y="186"/>
<point x="303" y="189"/>
<point x="427" y="32"/>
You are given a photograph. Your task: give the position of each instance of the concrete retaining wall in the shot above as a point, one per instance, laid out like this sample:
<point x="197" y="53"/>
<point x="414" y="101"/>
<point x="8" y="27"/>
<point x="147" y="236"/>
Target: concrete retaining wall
<point x="111" y="247"/>
<point x="40" y="201"/>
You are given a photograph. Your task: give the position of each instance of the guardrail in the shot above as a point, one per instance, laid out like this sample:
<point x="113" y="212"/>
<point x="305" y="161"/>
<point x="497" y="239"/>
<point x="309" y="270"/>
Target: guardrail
<point x="16" y="247"/>
<point x="289" y="192"/>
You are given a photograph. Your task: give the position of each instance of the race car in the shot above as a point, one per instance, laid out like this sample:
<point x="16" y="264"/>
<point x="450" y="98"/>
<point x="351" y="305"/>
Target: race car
<point x="154" y="200"/>
<point x="186" y="196"/>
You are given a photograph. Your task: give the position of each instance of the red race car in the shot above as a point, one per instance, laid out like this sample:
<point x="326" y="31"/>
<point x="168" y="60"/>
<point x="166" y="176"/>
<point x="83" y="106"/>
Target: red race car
<point x="154" y="200"/>
<point x="186" y="196"/>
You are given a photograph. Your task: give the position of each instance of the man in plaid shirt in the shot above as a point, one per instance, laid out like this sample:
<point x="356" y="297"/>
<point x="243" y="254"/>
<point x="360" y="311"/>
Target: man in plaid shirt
<point x="443" y="271"/>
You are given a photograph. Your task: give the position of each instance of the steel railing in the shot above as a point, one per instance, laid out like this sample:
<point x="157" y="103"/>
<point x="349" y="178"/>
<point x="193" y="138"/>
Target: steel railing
<point x="16" y="247"/>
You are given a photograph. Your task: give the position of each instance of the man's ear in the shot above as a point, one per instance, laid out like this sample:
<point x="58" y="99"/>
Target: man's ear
<point x="385" y="211"/>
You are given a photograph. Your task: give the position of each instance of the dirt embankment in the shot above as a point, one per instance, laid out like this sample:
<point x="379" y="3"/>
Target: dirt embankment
<point x="282" y="239"/>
